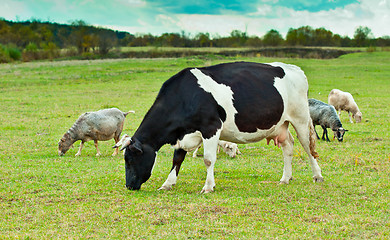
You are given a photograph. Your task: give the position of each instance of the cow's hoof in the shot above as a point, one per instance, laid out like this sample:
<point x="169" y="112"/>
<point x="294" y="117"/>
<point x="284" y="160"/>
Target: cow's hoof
<point x="206" y="191"/>
<point x="165" y="188"/>
<point x="318" y="179"/>
<point x="285" y="180"/>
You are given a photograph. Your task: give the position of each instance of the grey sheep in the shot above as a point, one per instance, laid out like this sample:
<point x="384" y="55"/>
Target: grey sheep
<point x="102" y="125"/>
<point x="326" y="116"/>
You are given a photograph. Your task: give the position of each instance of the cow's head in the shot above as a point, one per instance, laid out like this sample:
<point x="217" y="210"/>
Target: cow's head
<point x="339" y="133"/>
<point x="64" y="144"/>
<point x="139" y="161"/>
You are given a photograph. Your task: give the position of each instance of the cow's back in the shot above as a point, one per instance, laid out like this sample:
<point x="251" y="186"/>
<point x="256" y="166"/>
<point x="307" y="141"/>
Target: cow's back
<point x="256" y="97"/>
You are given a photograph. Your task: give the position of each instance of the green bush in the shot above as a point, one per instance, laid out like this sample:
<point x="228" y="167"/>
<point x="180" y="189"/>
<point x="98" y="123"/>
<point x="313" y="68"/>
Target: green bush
<point x="30" y="52"/>
<point x="14" y="53"/>
<point x="4" y="57"/>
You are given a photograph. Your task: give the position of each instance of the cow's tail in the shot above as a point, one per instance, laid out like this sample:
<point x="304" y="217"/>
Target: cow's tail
<point x="131" y="111"/>
<point x="312" y="138"/>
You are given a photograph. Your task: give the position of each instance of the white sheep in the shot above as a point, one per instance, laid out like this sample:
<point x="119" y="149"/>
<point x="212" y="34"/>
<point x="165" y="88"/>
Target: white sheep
<point x="229" y="148"/>
<point x="344" y="101"/>
<point x="193" y="141"/>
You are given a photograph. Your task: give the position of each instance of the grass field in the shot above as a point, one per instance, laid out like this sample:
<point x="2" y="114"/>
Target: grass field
<point x="44" y="196"/>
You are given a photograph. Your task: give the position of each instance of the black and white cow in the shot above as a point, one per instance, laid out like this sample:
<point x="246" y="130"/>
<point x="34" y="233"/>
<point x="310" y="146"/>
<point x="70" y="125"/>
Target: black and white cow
<point x="240" y="102"/>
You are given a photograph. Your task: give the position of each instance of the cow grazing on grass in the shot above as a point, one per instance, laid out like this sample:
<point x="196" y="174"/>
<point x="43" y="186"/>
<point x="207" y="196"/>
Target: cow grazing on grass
<point x="239" y="102"/>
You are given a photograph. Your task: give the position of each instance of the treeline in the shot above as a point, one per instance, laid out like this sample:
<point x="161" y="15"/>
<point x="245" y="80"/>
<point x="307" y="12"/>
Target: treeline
<point x="31" y="40"/>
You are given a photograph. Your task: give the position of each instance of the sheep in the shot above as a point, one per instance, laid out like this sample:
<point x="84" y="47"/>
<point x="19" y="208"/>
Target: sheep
<point x="326" y="116"/>
<point x="344" y="101"/>
<point x="102" y="125"/>
<point x="193" y="141"/>
<point x="229" y="148"/>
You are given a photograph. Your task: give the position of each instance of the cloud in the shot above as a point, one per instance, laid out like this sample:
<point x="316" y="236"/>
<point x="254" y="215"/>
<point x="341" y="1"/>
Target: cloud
<point x="341" y="20"/>
<point x="13" y="10"/>
<point x="213" y="16"/>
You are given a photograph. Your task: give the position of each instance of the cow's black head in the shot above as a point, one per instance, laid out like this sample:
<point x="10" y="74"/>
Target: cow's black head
<point x="339" y="133"/>
<point x="139" y="161"/>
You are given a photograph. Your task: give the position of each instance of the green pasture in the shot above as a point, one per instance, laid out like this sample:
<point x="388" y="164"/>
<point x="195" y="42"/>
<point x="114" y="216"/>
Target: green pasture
<point x="44" y="196"/>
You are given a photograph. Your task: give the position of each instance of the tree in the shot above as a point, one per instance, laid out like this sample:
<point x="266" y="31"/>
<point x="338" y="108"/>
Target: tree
<point x="362" y="36"/>
<point x="302" y="36"/>
<point x="203" y="40"/>
<point x="237" y="38"/>
<point x="272" y="38"/>
<point x="322" y="37"/>
<point x="254" y="41"/>
<point x="78" y="35"/>
<point x="383" y="41"/>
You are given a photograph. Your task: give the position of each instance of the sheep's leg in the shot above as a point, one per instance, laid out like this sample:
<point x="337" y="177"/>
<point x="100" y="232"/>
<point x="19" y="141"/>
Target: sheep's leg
<point x="318" y="137"/>
<point x="178" y="158"/>
<point x="210" y="156"/>
<point x="195" y="152"/>
<point x="81" y="147"/>
<point x="326" y="134"/>
<point x="287" y="147"/>
<point x="116" y="150"/>
<point x="97" y="149"/>
<point x="350" y="118"/>
<point x="323" y="133"/>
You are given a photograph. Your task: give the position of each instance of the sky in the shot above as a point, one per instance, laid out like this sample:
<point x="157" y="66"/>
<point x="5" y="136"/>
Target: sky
<point x="216" y="17"/>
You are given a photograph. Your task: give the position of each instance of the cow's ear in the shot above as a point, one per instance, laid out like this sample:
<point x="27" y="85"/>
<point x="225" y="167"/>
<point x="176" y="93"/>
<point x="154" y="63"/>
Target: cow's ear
<point x="136" y="146"/>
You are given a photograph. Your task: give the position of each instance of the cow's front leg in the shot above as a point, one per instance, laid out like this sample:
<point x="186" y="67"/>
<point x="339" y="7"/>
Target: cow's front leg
<point x="210" y="156"/>
<point x="178" y="158"/>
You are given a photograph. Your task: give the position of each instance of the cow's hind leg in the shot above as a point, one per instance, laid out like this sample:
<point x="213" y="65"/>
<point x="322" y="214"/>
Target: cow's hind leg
<point x="210" y="156"/>
<point x="287" y="147"/>
<point x="305" y="132"/>
<point x="178" y="158"/>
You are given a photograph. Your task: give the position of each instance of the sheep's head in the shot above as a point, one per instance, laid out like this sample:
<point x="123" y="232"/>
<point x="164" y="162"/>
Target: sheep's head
<point x="339" y="133"/>
<point x="357" y="117"/>
<point x="64" y="144"/>
<point x="230" y="149"/>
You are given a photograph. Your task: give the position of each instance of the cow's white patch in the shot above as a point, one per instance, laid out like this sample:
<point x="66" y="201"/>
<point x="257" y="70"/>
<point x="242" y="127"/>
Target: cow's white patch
<point x="222" y="94"/>
<point x="171" y="180"/>
<point x="190" y="142"/>
<point x="151" y="171"/>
